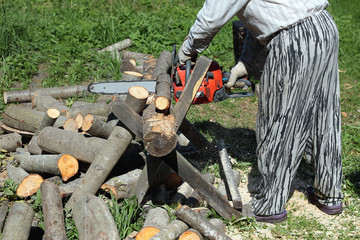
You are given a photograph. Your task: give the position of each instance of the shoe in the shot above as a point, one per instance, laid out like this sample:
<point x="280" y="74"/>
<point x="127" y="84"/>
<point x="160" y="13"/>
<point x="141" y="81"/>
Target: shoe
<point x="276" y="218"/>
<point x="330" y="210"/>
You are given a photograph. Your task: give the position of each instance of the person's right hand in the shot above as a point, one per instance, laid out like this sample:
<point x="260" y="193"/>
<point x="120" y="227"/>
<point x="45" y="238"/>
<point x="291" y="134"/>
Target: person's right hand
<point x="238" y="71"/>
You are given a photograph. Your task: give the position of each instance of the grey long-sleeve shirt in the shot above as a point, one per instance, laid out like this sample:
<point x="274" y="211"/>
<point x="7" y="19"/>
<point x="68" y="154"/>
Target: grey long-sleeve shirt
<point x="262" y="18"/>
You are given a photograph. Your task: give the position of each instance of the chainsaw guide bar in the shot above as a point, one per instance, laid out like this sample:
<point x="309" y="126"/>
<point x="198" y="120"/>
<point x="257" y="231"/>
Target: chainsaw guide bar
<point x="120" y="87"/>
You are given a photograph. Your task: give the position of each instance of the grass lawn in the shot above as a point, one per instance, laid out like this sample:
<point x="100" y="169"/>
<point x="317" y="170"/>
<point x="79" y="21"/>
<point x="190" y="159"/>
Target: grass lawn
<point x="58" y="40"/>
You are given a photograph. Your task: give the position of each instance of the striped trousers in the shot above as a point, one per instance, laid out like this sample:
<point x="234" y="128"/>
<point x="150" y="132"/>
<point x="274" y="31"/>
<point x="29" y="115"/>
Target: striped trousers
<point x="299" y="112"/>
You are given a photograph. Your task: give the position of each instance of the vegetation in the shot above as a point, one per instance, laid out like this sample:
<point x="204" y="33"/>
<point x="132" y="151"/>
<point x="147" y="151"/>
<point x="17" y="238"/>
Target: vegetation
<point x="59" y="39"/>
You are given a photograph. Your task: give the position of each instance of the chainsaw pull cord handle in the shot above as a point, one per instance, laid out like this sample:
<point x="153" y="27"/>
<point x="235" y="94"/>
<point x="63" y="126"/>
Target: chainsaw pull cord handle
<point x="187" y="70"/>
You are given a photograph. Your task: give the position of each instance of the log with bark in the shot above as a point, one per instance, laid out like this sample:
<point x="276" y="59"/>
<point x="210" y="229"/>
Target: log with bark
<point x="28" y="183"/>
<point x="26" y="119"/>
<point x="3" y="212"/>
<point x="94" y="126"/>
<point x="148" y="67"/>
<point x="128" y="65"/>
<point x="63" y="165"/>
<point x="98" y="108"/>
<point x="52" y="209"/>
<point x="10" y="142"/>
<point x="156" y="219"/>
<point x="117" y="47"/>
<point x="234" y="194"/>
<point x="44" y="102"/>
<point x="18" y="222"/>
<point x="172" y="231"/>
<point x="163" y="92"/>
<point x="56" y="92"/>
<point x="159" y="132"/>
<point x="140" y="58"/>
<point x="93" y="219"/>
<point x="196" y="221"/>
<point x="102" y="165"/>
<point x="163" y="64"/>
<point x="136" y="98"/>
<point x="121" y="186"/>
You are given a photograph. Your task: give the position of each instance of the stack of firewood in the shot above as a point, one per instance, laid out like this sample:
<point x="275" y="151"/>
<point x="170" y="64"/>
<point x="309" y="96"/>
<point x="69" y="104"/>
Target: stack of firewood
<point x="76" y="151"/>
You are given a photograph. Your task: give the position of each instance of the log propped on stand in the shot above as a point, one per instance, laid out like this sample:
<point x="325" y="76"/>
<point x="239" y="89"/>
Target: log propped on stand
<point x="93" y="219"/>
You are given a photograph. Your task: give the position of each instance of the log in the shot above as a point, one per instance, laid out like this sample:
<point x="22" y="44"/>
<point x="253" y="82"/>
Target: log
<point x="218" y="223"/>
<point x="63" y="165"/>
<point x="29" y="120"/>
<point x="93" y="219"/>
<point x="163" y="93"/>
<point x="94" y="126"/>
<point x="163" y="64"/>
<point x="18" y="222"/>
<point x="148" y="67"/>
<point x="54" y="222"/>
<point x="229" y="176"/>
<point x="103" y="163"/>
<point x="131" y="76"/>
<point x="201" y="224"/>
<point x="140" y="58"/>
<point x="171" y="231"/>
<point x="159" y="132"/>
<point x="156" y="219"/>
<point x="49" y="119"/>
<point x="3" y="212"/>
<point x="191" y="88"/>
<point x="44" y="102"/>
<point x="136" y="98"/>
<point x="115" y="48"/>
<point x="56" y="92"/>
<point x="191" y="234"/>
<point x="121" y="186"/>
<point x="28" y="183"/>
<point x="79" y="119"/>
<point x="128" y="65"/>
<point x="13" y="130"/>
<point x="66" y="188"/>
<point x="10" y="142"/>
<point x="71" y="125"/>
<point x="98" y="108"/>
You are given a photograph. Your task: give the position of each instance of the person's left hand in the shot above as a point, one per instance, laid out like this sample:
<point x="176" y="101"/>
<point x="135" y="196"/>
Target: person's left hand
<point x="182" y="56"/>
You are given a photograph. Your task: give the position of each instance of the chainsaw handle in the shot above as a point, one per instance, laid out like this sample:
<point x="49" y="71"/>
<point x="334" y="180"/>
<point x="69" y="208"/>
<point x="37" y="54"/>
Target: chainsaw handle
<point x="187" y="70"/>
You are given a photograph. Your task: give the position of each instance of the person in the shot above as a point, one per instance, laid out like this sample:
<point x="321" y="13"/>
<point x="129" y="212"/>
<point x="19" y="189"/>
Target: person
<point x="299" y="96"/>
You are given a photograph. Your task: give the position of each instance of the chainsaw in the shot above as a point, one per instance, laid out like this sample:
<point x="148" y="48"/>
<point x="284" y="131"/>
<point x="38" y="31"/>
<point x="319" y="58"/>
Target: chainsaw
<point x="212" y="88"/>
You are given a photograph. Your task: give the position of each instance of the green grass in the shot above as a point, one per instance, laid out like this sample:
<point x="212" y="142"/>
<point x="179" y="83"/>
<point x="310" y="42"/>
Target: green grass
<point x="61" y="38"/>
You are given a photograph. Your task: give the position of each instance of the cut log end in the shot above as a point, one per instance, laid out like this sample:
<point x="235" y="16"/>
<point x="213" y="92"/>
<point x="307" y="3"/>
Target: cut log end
<point x="147" y="233"/>
<point x="162" y="103"/>
<point x="71" y="125"/>
<point x="87" y="123"/>
<point x="79" y="119"/>
<point x="110" y="189"/>
<point x="53" y="113"/>
<point x="190" y="235"/>
<point x="68" y="166"/>
<point x="29" y="185"/>
<point x="135" y="74"/>
<point x="139" y="92"/>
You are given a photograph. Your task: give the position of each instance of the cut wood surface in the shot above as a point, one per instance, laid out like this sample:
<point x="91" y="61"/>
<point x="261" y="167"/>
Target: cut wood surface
<point x="102" y="165"/>
<point x="191" y="88"/>
<point x="71" y="125"/>
<point x="159" y="132"/>
<point x="156" y="219"/>
<point x="44" y="102"/>
<point x="10" y="142"/>
<point x="122" y="185"/>
<point x="196" y="221"/>
<point x="56" y="92"/>
<point x="163" y="92"/>
<point x="63" y="165"/>
<point x="18" y="222"/>
<point x="3" y="212"/>
<point x="136" y="98"/>
<point x="93" y="219"/>
<point x="163" y="64"/>
<point x="93" y="125"/>
<point x="172" y="231"/>
<point x="98" y="108"/>
<point x="52" y="208"/>
<point x="131" y="76"/>
<point x="229" y="176"/>
<point x="191" y="234"/>
<point x="28" y="183"/>
<point x="79" y="119"/>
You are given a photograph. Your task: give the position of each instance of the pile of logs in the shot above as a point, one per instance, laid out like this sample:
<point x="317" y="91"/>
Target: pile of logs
<point x="76" y="151"/>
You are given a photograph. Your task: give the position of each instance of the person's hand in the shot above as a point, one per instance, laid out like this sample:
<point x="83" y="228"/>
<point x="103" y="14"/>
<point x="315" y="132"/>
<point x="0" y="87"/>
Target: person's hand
<point x="238" y="71"/>
<point x="182" y="56"/>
